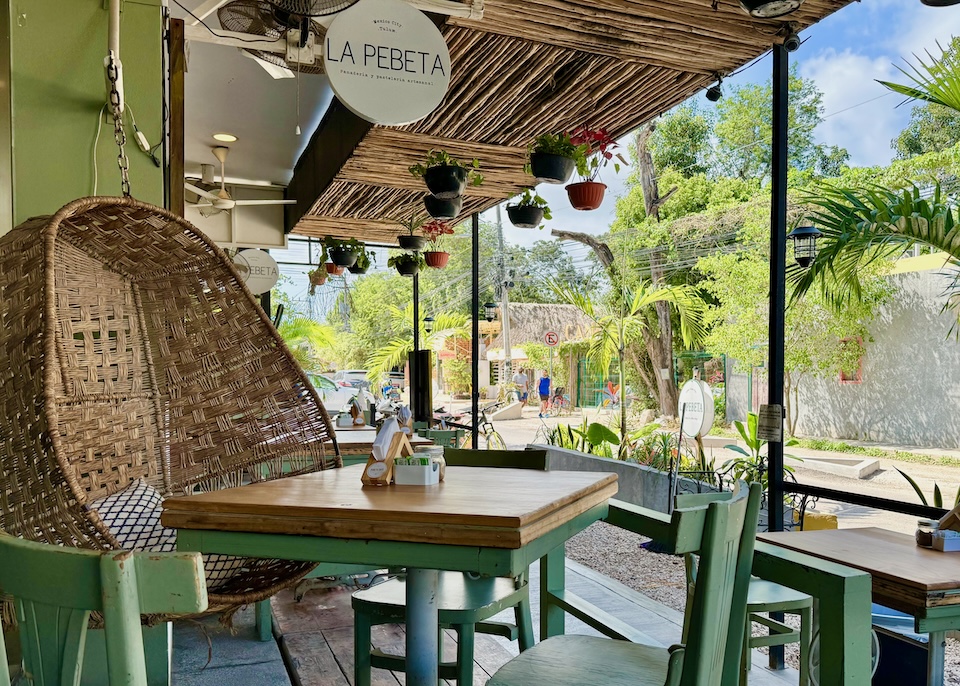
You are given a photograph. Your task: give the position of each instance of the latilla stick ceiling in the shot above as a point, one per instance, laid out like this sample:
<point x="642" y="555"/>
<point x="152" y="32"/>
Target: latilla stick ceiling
<point x="524" y="69"/>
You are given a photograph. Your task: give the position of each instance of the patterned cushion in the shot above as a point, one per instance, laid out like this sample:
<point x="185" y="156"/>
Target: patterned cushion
<point x="133" y="517"/>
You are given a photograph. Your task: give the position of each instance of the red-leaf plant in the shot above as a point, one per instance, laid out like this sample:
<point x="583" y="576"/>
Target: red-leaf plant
<point x="594" y="152"/>
<point x="434" y="231"/>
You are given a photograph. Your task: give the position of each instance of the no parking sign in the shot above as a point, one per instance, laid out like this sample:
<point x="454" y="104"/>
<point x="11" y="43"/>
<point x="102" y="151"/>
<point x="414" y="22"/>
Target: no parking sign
<point x="551" y="338"/>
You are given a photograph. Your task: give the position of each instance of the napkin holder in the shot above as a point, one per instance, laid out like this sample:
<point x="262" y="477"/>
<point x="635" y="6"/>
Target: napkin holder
<point x="380" y="472"/>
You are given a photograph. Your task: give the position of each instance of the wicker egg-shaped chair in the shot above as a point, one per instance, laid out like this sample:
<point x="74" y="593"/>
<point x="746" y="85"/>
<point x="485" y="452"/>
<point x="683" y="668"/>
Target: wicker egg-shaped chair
<point x="133" y="351"/>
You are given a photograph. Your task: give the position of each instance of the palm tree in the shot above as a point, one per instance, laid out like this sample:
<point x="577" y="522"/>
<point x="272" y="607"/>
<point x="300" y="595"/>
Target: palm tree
<point x="306" y="338"/>
<point x="862" y="225"/>
<point x="395" y="353"/>
<point x="614" y="330"/>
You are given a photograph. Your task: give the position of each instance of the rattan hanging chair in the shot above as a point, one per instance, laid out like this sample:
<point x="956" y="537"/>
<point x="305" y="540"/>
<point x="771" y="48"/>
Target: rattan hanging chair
<point x="134" y="351"/>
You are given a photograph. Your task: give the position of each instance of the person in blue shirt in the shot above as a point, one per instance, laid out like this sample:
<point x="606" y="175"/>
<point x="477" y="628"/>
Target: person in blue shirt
<point x="543" y="388"/>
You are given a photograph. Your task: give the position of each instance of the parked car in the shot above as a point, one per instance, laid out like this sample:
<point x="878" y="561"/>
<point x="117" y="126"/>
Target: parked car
<point x="355" y="377"/>
<point x="335" y="394"/>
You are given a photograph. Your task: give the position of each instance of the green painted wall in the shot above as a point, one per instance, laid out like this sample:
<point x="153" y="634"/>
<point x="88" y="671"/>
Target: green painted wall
<point x="58" y="87"/>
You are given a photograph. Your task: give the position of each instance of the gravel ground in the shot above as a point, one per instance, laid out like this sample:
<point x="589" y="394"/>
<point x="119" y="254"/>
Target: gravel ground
<point x="619" y="555"/>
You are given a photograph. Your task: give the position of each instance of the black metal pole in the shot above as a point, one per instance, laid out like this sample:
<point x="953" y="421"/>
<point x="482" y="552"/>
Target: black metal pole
<point x="778" y="297"/>
<point x="475" y="339"/>
<point x="412" y="358"/>
<point x="778" y="263"/>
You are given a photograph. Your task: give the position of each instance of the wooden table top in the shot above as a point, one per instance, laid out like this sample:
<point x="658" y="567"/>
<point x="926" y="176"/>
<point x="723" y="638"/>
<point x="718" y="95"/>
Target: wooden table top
<point x="366" y="436"/>
<point x="490" y="507"/>
<point x="902" y="571"/>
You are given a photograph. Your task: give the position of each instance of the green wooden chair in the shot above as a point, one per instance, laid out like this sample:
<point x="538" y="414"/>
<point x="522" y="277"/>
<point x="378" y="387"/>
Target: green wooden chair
<point x="763" y="597"/>
<point x="56" y="588"/>
<point x="464" y="602"/>
<point x="717" y="531"/>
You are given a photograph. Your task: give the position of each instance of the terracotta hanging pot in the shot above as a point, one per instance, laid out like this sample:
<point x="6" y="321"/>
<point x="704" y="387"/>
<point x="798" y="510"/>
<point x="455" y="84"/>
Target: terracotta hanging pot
<point x="525" y="216"/>
<point x="446" y="180"/>
<point x="436" y="258"/>
<point x="443" y="208"/>
<point x="586" y="195"/>
<point x="333" y="270"/>
<point x="550" y="168"/>
<point x="343" y="257"/>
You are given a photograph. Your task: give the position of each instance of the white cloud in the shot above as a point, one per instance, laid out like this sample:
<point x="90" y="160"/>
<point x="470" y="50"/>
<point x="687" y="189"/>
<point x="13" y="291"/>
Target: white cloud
<point x="920" y="29"/>
<point x="848" y="81"/>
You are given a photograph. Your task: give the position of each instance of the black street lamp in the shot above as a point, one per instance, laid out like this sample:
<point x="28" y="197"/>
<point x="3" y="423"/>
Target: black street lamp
<point x="490" y="311"/>
<point x="428" y="324"/>
<point x="804" y="244"/>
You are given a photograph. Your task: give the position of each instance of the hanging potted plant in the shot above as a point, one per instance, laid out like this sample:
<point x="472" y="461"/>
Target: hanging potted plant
<point x="594" y="152"/>
<point x="409" y="241"/>
<point x="446" y="176"/>
<point x="553" y="157"/>
<point x="443" y="208"/>
<point x="529" y="211"/>
<point x="435" y="231"/>
<point x="407" y="263"/>
<point x="318" y="277"/>
<point x="364" y="258"/>
<point x="343" y="253"/>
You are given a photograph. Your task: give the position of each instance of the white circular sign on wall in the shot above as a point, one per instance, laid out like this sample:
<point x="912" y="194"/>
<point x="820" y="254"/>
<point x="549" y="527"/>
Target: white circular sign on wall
<point x="696" y="408"/>
<point x="257" y="269"/>
<point x="386" y="62"/>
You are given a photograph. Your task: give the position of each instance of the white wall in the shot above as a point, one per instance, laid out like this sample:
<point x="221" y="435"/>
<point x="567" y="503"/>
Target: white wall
<point x="910" y="394"/>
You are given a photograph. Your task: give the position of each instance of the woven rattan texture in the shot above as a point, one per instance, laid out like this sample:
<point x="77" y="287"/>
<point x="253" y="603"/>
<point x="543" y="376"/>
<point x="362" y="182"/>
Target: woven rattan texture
<point x="133" y="350"/>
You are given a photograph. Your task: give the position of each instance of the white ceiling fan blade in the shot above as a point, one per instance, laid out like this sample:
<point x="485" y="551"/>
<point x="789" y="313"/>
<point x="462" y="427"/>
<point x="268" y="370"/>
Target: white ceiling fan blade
<point x="265" y="202"/>
<point x="275" y="70"/>
<point x="199" y="191"/>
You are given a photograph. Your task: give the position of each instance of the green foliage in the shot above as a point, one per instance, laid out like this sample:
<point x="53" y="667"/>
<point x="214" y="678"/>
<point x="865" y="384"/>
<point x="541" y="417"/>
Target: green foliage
<point x="406" y="258"/>
<point x="554" y="144"/>
<point x="744" y="130"/>
<point x="533" y="267"/>
<point x="365" y="257"/>
<point x="681" y="141"/>
<point x="530" y="198"/>
<point x="937" y="494"/>
<point x="394" y="353"/>
<point x="593" y="438"/>
<point x="720" y="408"/>
<point x="935" y="80"/>
<point x="932" y="128"/>
<point x="458" y="375"/>
<point x="753" y="465"/>
<point x="411" y="223"/>
<point x="439" y="158"/>
<point x="307" y="340"/>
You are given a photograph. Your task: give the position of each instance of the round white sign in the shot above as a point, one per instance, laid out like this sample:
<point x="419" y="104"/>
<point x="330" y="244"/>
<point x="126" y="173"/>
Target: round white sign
<point x="257" y="269"/>
<point x="386" y="62"/>
<point x="696" y="408"/>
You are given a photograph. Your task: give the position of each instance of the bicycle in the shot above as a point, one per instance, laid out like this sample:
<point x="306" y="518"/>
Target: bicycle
<point x="560" y="405"/>
<point x="489" y="435"/>
<point x="544" y="434"/>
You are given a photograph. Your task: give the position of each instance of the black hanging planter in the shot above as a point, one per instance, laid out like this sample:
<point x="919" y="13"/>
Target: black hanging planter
<point x="414" y="243"/>
<point x="446" y="180"/>
<point x="443" y="208"/>
<point x="357" y="270"/>
<point x="408" y="268"/>
<point x="550" y="168"/>
<point x="343" y="257"/>
<point x="525" y="216"/>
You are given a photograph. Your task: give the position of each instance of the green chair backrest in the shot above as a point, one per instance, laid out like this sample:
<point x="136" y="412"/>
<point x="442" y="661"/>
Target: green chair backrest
<point x="721" y="590"/>
<point x="738" y="615"/>
<point x="444" y="437"/>
<point x="515" y="459"/>
<point x="56" y="588"/>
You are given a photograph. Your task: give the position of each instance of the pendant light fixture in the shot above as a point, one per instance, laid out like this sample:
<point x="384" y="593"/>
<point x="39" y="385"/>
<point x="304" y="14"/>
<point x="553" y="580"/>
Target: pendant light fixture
<point x="769" y="9"/>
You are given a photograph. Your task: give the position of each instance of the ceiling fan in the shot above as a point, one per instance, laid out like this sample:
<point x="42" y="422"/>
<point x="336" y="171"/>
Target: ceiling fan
<point x="219" y="201"/>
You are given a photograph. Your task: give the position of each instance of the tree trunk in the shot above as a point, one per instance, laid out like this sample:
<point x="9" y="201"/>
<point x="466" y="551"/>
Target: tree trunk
<point x="652" y="201"/>
<point x="604" y="254"/>
<point x="662" y="345"/>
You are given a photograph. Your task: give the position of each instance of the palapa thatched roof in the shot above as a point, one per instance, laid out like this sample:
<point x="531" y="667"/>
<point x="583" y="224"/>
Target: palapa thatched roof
<point x="530" y="321"/>
<point x="523" y="69"/>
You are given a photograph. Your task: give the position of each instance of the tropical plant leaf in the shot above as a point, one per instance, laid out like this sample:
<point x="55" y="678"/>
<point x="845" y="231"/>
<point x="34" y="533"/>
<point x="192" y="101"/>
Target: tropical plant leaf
<point x="597" y="434"/>
<point x="914" y="485"/>
<point x="936" y="80"/>
<point x="737" y="448"/>
<point x="937" y="496"/>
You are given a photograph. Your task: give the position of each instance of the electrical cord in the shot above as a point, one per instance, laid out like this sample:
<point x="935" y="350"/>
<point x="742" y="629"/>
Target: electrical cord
<point x="96" y="141"/>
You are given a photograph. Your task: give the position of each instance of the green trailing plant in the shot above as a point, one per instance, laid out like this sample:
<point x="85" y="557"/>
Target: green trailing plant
<point x="405" y="258"/>
<point x="531" y="198"/>
<point x="439" y="158"/>
<point x="937" y="493"/>
<point x="365" y="258"/>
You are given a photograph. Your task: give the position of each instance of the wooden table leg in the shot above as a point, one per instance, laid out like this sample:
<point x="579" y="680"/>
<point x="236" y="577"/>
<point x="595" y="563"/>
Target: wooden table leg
<point x="423" y="648"/>
<point x="552" y="581"/>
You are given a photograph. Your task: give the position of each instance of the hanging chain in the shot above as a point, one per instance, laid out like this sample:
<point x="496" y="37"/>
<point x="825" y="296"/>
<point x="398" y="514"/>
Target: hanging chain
<point x="118" y="134"/>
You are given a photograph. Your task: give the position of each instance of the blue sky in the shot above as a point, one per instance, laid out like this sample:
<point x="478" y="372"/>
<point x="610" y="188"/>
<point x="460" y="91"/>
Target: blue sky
<point x="844" y="55"/>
